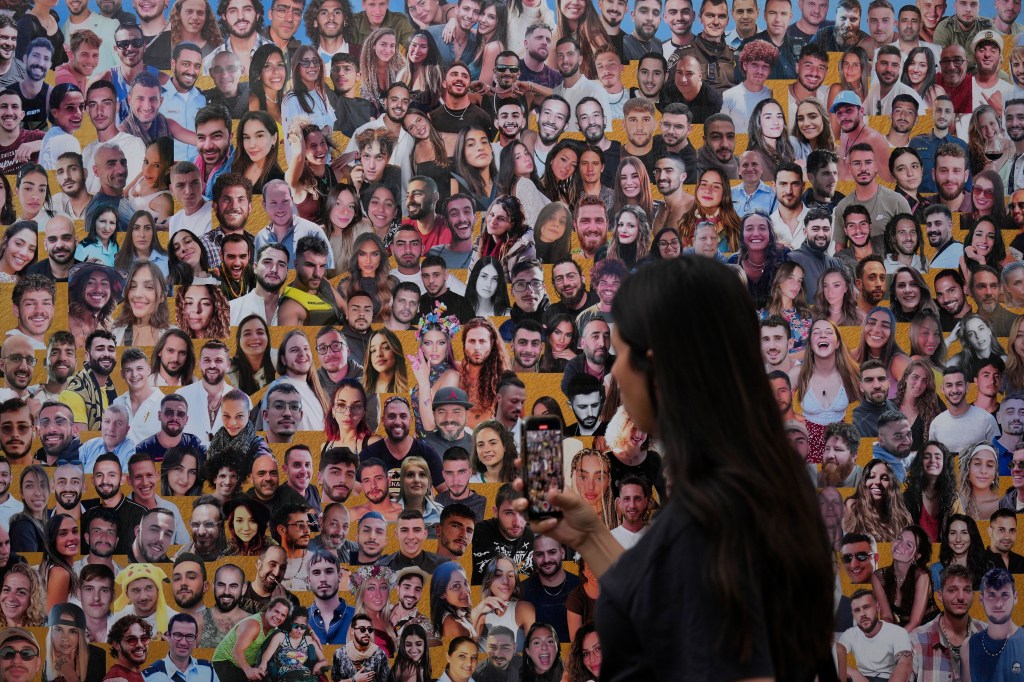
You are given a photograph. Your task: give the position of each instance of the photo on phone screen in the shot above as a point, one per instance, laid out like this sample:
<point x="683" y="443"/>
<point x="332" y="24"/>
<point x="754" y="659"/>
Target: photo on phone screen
<point x="542" y="469"/>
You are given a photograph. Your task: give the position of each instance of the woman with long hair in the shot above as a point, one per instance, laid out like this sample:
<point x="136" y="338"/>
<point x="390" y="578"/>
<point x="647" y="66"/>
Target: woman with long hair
<point x="141" y="243"/>
<point x="188" y="259"/>
<point x="69" y="656"/>
<point x="909" y="294"/>
<point x="854" y="75"/>
<point x="380" y="62"/>
<point x="21" y="598"/>
<point x="767" y="135"/>
<point x="369" y="272"/>
<point x="414" y="491"/>
<point x="144" y="315"/>
<point x="346" y="425"/>
<point x="904" y="588"/>
<point x="811" y="130"/>
<point x="919" y="69"/>
<point x="931" y="492"/>
<point x="988" y="147"/>
<point x="984" y="245"/>
<point x="308" y="96"/>
<point x="28" y="527"/>
<point x="450" y="612"/>
<point x="151" y="189"/>
<point x="412" y="662"/>
<point x="385" y="363"/>
<point x="433" y="365"/>
<point x="590" y="476"/>
<point x="633" y="187"/>
<point x="253" y="364"/>
<point x="181" y="473"/>
<point x="542" y="658"/>
<point x="553" y="233"/>
<point x="293" y="653"/>
<point x="382" y="211"/>
<point x="17" y="250"/>
<point x="961" y="544"/>
<point x="760" y="256"/>
<point x="989" y="198"/>
<point x="560" y="343"/>
<point x="788" y="300"/>
<point x="268" y="76"/>
<point x="100" y="243"/>
<point x="878" y="342"/>
<point x="474" y="171"/>
<point x="32" y="185"/>
<point x="979" y="480"/>
<point x="926" y="340"/>
<point x="546" y="405"/>
<point x="561" y="179"/>
<point x="918" y="400"/>
<point x="714" y="205"/>
<point x="978" y="342"/>
<point x="257" y="145"/>
<point x="1013" y="377"/>
<point x="7" y="214"/>
<point x="309" y="174"/>
<point x="579" y="21"/>
<point x="584" y="664"/>
<point x="876" y="507"/>
<point x="486" y="289"/>
<point x="202" y="311"/>
<point x="906" y="169"/>
<point x="344" y="222"/>
<point x="372" y="589"/>
<point x="505" y="236"/>
<point x="295" y="367"/>
<point x="193" y="21"/>
<point x="247" y="522"/>
<point x="501" y="580"/>
<point x="63" y="541"/>
<point x="429" y="154"/>
<point x="630" y="453"/>
<point x="827" y="380"/>
<point x="517" y="176"/>
<point x="492" y="39"/>
<point x="836" y="298"/>
<point x="494" y="450"/>
<point x="423" y="72"/>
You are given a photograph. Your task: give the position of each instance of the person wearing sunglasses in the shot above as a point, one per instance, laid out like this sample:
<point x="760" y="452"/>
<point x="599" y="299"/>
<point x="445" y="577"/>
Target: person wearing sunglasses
<point x="360" y="660"/>
<point x="293" y="652"/>
<point x="129" y="639"/>
<point x="19" y="655"/>
<point x="859" y="556"/>
<point x="173" y="418"/>
<point x="128" y="48"/>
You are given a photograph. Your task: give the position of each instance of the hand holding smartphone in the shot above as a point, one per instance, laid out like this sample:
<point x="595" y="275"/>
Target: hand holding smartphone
<point x="542" y="469"/>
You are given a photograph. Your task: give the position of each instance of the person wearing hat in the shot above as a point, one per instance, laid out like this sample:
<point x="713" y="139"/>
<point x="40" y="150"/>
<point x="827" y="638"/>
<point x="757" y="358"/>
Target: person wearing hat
<point x="93" y="292"/>
<point x="68" y="653"/>
<point x="796" y="432"/>
<point x="142" y="595"/>
<point x="849" y="109"/>
<point x="961" y="28"/>
<point x="329" y="615"/>
<point x="450" y="405"/>
<point x="19" y="656"/>
<point x="410" y="582"/>
<point x="989" y="78"/>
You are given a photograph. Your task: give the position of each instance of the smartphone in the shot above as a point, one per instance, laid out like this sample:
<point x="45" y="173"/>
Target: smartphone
<point x="542" y="464"/>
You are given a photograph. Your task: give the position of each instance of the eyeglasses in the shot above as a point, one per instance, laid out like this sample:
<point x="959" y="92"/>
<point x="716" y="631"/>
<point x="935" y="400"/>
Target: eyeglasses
<point x="665" y="243"/>
<point x="280" y="406"/>
<point x="506" y="68"/>
<point x="348" y="409"/>
<point x="283" y="11"/>
<point x="137" y="43"/>
<point x="301" y="525"/>
<point x="335" y="347"/>
<point x="169" y="413"/>
<point x="132" y="640"/>
<point x="8" y="654"/>
<point x="859" y="556"/>
<point x="17" y="359"/>
<point x="983" y="192"/>
<point x="523" y="285"/>
<point x="182" y="636"/>
<point x="955" y="61"/>
<point x="364" y="628"/>
<point x="59" y="421"/>
<point x="218" y="70"/>
<point x="306" y="63"/>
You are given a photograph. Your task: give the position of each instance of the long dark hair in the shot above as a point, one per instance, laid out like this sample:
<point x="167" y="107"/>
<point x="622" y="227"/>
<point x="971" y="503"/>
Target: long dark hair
<point x="259" y="60"/>
<point x="92" y="236"/>
<point x="976" y="562"/>
<point x="242" y="161"/>
<point x="570" y="189"/>
<point x="173" y="459"/>
<point x="405" y="667"/>
<point x="126" y="254"/>
<point x="52" y="558"/>
<point x="180" y="272"/>
<point x="299" y="89"/>
<point x="755" y="508"/>
<point x="945" y="485"/>
<point x="473" y="178"/>
<point x="246" y="379"/>
<point x="500" y="299"/>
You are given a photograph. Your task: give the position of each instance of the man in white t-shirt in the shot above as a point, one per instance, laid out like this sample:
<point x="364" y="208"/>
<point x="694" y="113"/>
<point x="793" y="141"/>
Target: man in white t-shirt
<point x="739" y="101"/>
<point x="196" y="214"/>
<point x="962" y="424"/>
<point x="882" y="650"/>
<point x="632" y="503"/>
<point x="575" y="86"/>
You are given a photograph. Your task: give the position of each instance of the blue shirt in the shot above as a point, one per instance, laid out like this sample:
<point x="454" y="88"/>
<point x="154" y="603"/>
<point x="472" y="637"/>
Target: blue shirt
<point x="445" y="49"/>
<point x="93" y="448"/>
<point x="899" y="467"/>
<point x="338" y="632"/>
<point x="164" y="669"/>
<point x="762" y="199"/>
<point x="182" y="108"/>
<point x="300" y="228"/>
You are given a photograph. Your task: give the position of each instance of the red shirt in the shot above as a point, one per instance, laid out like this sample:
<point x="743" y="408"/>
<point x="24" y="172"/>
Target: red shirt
<point x="441" y="234"/>
<point x="118" y="670"/>
<point x="962" y="96"/>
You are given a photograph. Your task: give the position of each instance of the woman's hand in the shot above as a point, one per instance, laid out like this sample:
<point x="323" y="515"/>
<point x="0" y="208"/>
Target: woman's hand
<point x="491" y="604"/>
<point x="420" y="369"/>
<point x="972" y="253"/>
<point x="448" y="35"/>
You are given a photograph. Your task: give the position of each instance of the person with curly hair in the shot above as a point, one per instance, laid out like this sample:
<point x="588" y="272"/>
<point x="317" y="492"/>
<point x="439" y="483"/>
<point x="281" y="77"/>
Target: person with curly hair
<point x="904" y="588"/>
<point x="979" y="480"/>
<point x="224" y="473"/>
<point x="584" y="664"/>
<point x="590" y="476"/>
<point x="193" y="21"/>
<point x="380" y="62"/>
<point x="505" y="236"/>
<point x="21" y="598"/>
<point x="738" y="102"/>
<point x="494" y="452"/>
<point x="202" y="311"/>
<point x="241" y="36"/>
<point x="931" y="489"/>
<point x="248" y="520"/>
<point x="918" y="400"/>
<point x="329" y="28"/>
<point x="485" y="359"/>
<point x="876" y="507"/>
<point x="904" y="244"/>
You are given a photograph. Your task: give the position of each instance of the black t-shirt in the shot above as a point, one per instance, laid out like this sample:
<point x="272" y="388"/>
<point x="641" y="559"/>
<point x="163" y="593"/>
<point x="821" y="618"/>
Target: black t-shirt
<point x="254" y="603"/>
<point x="650" y="469"/>
<point x="471" y="116"/>
<point x="237" y="105"/>
<point x="488" y="542"/>
<point x="129" y="515"/>
<point x="611" y="164"/>
<point x="550" y="602"/>
<point x="457" y="305"/>
<point x="419" y="449"/>
<point x="35" y="109"/>
<point x="158" y="50"/>
<point x="708" y="101"/>
<point x="653" y="611"/>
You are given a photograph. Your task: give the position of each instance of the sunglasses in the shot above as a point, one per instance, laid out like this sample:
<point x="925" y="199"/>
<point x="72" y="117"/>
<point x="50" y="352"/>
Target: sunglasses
<point x="983" y="191"/>
<point x="1017" y="466"/>
<point x="132" y="640"/>
<point x="859" y="556"/>
<point x="8" y="654"/>
<point x="180" y="414"/>
<point x="506" y="68"/>
<point x="137" y="43"/>
<point x="1016" y="205"/>
<point x="363" y="629"/>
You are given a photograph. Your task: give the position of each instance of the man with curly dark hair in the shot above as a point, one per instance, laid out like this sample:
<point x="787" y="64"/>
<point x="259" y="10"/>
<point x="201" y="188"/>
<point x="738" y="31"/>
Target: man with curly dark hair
<point x="129" y="639"/>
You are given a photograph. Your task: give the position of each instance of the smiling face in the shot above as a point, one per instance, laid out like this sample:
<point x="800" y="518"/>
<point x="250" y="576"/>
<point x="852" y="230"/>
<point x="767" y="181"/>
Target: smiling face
<point x="983" y="471"/>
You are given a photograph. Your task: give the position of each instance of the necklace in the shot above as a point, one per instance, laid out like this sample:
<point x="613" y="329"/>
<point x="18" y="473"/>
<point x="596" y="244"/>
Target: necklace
<point x="985" y="648"/>
<point x="556" y="592"/>
<point x="852" y="142"/>
<point x="757" y="266"/>
<point x="452" y="113"/>
<point x="949" y="640"/>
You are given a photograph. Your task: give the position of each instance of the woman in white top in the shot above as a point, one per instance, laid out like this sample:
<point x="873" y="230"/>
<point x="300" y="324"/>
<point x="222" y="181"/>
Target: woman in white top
<point x="66" y="107"/>
<point x="501" y="580"/>
<point x="144" y="314"/>
<point x="308" y="97"/>
<point x="150" y="191"/>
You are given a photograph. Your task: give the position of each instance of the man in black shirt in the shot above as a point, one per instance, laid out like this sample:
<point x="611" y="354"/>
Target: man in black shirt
<point x="1002" y="532"/>
<point x="33" y="90"/>
<point x="571" y="286"/>
<point x="506" y="534"/>
<point x="352" y="112"/>
<point x="270" y="568"/>
<point x="229" y="91"/>
<point x="456" y="111"/>
<point x="550" y="585"/>
<point x="106" y="479"/>
<point x="434" y="272"/>
<point x="702" y="99"/>
<point x="398" y="444"/>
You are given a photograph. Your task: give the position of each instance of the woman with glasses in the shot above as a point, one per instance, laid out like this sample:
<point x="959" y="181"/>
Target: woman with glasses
<point x="346" y="425"/>
<point x="293" y="654"/>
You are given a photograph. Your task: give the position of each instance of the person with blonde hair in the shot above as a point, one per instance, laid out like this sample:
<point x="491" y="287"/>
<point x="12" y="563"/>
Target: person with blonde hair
<point x="590" y="477"/>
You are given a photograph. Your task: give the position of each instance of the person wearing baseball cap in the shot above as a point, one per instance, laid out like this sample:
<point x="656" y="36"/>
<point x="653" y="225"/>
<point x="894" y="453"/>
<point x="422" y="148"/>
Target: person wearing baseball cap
<point x="450" y="406"/>
<point x="797" y="434"/>
<point x="19" y="656"/>
<point x="849" y="109"/>
<point x="987" y="48"/>
<point x="961" y="28"/>
<point x="70" y="653"/>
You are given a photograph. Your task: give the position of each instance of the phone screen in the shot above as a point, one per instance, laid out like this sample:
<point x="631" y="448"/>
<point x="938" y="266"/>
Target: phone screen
<point x="543" y="464"/>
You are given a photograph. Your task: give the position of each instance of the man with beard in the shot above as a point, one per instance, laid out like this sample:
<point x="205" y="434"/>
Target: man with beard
<point x="776" y="346"/>
<point x="507" y="86"/>
<point x="290" y="528"/>
<point x="326" y="28"/>
<point x="111" y="166"/>
<point x="173" y="359"/>
<point x="676" y="123"/>
<point x="33" y="89"/>
<point x="811" y="69"/>
<point x="611" y="14"/>
<point x="271" y="270"/>
<point x="954" y="77"/>
<point x="182" y="99"/>
<point x="60" y="362"/>
<point x="715" y="57"/>
<point x="550" y="585"/>
<point x="640" y="139"/>
<point x="12" y="69"/>
<point x="128" y="640"/>
<point x="333" y="536"/>
<point x="951" y="297"/>
<point x="107" y="477"/>
<point x="646" y="16"/>
<point x="882" y="649"/>
<point x="1012" y="173"/>
<point x="204" y="398"/>
<point x="502" y="663"/>
<point x="411" y="582"/>
<point x="533" y="66"/>
<point x="961" y="29"/>
<point x="985" y="290"/>
<point x="651" y="74"/>
<point x="962" y="424"/>
<point x="508" y="406"/>
<point x="670" y="171"/>
<point x="266" y="585"/>
<point x="99" y="540"/>
<point x="551" y="123"/>
<point x="839" y="466"/>
<point x="937" y="645"/>
<point x="456" y="465"/>
<point x="232" y="204"/>
<point x="412" y="533"/>
<point x="998" y="597"/>
<point x="527" y="346"/>
<point x="225" y="614"/>
<point x="586" y="397"/>
<point x="632" y="504"/>
<point x="989" y="86"/>
<point x="396" y="107"/>
<point x="188" y="586"/>
<point x="237" y="276"/>
<point x="529" y="298"/>
<point x="605" y="278"/>
<point x="595" y="360"/>
<point x="153" y="537"/>
<point x="593" y="119"/>
<point x="399" y="444"/>
<point x="91" y="391"/>
<point x="788" y="216"/>
<point x="575" y="86"/>
<point x="207" y="528"/>
<point x="812" y="255"/>
<point x="457" y="111"/>
<point x="485" y="360"/>
<point x="172" y="434"/>
<point x="68" y="483"/>
<point x="229" y="91"/>
<point x="285" y="20"/>
<point x="845" y="33"/>
<point x="463" y="44"/>
<point x="571" y="286"/>
<point x="338" y="474"/>
<point x="461" y="217"/>
<point x="101" y="103"/>
<point x="823" y="174"/>
<point x="449" y="406"/>
<point x="938" y="221"/>
<point x="1010" y="417"/>
<point x="75" y="198"/>
<point x="887" y="83"/>
<point x="372" y="534"/>
<point x="719" y="148"/>
<point x="18" y="145"/>
<point x="407" y="243"/>
<point x="241" y="22"/>
<point x="894" y="442"/>
<point x="61" y="241"/>
<point x="266" y="486"/>
<point x="58" y="434"/>
<point x="902" y="120"/>
<point x="510" y="119"/>
<point x="18" y="360"/>
<point x="329" y="615"/>
<point x="373" y="477"/>
<point x="420" y="202"/>
<point x="9" y="505"/>
<point x="286" y="228"/>
<point x="854" y="133"/>
<point x="336" y="364"/>
<point x="434" y="273"/>
<point x="884" y="203"/>
<point x="782" y="390"/>
<point x="942" y="118"/>
<point x="455" y="531"/>
<point x="506" y="533"/>
<point x="874" y="388"/>
<point x="591" y="225"/>
<point x="359" y="313"/>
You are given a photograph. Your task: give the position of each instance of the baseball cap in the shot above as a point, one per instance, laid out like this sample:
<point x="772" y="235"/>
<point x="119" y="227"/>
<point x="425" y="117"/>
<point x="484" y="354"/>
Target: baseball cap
<point x="451" y="396"/>
<point x="844" y="98"/>
<point x="794" y="425"/>
<point x="8" y="635"/>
